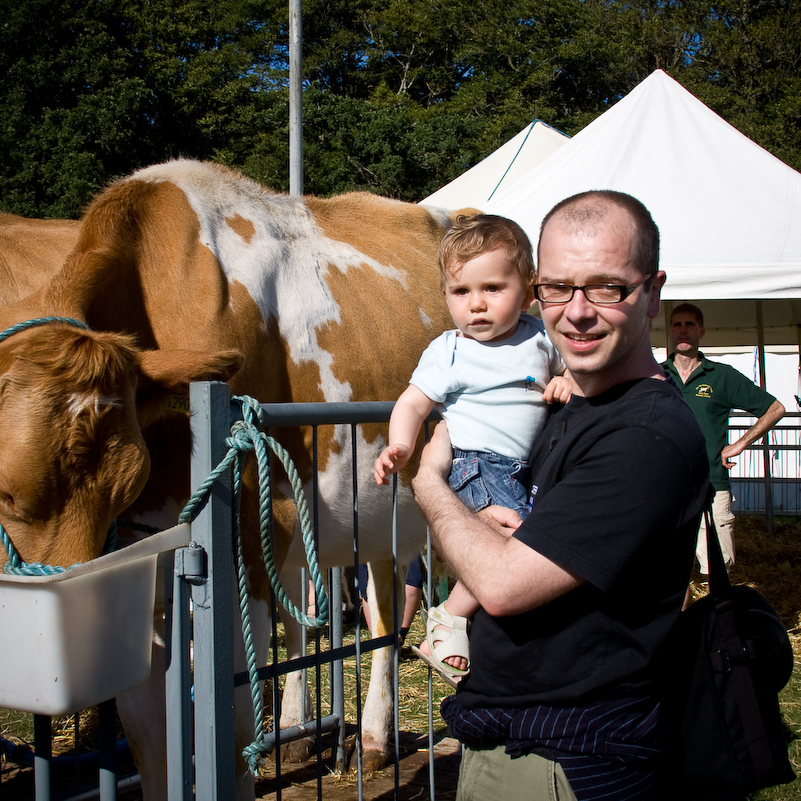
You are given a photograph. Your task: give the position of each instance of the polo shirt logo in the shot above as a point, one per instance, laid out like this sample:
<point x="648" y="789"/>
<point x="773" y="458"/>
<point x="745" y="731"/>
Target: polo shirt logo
<point x="703" y="391"/>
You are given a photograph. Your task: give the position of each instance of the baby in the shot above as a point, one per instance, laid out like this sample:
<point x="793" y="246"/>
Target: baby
<point x="492" y="379"/>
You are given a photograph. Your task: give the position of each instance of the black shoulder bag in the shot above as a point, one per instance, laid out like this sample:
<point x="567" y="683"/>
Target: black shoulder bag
<point x="734" y="657"/>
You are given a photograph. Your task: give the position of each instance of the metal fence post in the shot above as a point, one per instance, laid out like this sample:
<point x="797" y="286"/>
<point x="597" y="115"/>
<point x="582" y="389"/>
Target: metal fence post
<point x="178" y="680"/>
<point x="212" y="615"/>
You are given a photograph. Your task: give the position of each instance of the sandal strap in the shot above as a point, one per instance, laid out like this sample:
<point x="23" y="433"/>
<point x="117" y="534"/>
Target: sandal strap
<point x="454" y="643"/>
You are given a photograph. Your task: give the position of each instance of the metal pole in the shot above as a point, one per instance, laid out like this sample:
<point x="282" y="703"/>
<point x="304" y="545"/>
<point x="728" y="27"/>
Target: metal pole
<point x="213" y="622"/>
<point x="295" y="98"/>
<point x="43" y="753"/>
<point x="178" y="681"/>
<point x="766" y="437"/>
<point x="107" y="777"/>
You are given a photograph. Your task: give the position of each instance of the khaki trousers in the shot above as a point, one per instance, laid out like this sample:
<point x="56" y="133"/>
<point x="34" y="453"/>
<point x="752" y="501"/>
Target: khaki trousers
<point x="489" y="774"/>
<point x="724" y="523"/>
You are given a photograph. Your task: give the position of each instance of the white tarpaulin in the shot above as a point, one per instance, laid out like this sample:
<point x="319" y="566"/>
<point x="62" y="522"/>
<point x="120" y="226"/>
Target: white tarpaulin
<point x="729" y="213"/>
<point x="499" y="170"/>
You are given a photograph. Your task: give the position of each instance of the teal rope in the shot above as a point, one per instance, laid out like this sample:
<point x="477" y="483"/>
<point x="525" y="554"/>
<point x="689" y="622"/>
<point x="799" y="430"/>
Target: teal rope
<point x="16" y="566"/>
<point x="36" y="322"/>
<point x="246" y="437"/>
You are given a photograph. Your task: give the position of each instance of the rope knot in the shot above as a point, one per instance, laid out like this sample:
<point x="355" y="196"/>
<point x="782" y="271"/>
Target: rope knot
<point x="254" y="755"/>
<point x="243" y="437"/>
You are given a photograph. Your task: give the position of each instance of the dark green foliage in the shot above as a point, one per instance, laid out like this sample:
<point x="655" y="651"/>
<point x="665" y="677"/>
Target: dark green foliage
<point x="400" y="96"/>
<point x="91" y="89"/>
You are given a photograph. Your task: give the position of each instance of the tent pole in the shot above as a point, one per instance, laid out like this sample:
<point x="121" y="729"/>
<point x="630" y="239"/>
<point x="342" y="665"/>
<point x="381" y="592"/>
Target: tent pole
<point x="766" y="437"/>
<point x="668" y="307"/>
<point x="798" y="390"/>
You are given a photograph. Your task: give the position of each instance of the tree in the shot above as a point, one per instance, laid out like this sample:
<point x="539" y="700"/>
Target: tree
<point x="400" y="96"/>
<point x="749" y="72"/>
<point x="93" y="89"/>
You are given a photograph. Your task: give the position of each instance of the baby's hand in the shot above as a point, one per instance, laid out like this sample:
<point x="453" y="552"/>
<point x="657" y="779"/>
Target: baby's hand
<point x="559" y="390"/>
<point x="389" y="461"/>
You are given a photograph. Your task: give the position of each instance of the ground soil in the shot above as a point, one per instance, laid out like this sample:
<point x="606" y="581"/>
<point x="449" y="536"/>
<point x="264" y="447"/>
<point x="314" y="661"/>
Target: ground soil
<point x="297" y="782"/>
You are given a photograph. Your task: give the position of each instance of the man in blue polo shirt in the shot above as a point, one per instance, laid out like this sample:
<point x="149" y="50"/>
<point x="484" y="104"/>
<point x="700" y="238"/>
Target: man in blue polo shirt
<point x="712" y="390"/>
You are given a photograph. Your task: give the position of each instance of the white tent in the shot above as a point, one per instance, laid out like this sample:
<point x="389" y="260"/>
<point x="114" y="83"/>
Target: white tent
<point x="499" y="170"/>
<point x="729" y="213"/>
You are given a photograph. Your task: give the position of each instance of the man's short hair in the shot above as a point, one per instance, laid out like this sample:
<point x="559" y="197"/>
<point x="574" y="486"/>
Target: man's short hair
<point x="589" y="208"/>
<point x="688" y="308"/>
<point x="469" y="237"/>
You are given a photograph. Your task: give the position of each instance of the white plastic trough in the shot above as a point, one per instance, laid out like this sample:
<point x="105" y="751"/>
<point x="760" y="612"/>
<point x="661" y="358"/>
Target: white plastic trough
<point x="77" y="638"/>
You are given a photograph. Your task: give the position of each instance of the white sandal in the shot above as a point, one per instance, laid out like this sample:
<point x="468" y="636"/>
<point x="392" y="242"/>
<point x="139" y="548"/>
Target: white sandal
<point x="442" y="646"/>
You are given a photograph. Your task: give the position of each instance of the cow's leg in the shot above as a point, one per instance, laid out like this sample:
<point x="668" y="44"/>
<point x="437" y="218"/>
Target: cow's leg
<point x="378" y="707"/>
<point x="295" y="700"/>
<point x="143" y="715"/>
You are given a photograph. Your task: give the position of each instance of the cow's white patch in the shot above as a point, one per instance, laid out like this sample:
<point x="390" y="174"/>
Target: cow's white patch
<point x="374" y="505"/>
<point x="81" y="402"/>
<point x="283" y="265"/>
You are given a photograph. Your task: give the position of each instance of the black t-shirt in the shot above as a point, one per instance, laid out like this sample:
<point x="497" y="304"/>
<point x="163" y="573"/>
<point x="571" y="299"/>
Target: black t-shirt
<point x="620" y="482"/>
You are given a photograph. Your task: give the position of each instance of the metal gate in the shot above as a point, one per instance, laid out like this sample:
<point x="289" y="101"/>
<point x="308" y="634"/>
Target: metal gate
<point x="200" y="697"/>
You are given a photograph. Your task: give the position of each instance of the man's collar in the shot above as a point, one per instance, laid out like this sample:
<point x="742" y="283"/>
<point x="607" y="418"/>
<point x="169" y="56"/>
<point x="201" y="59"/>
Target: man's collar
<point x="702" y="361"/>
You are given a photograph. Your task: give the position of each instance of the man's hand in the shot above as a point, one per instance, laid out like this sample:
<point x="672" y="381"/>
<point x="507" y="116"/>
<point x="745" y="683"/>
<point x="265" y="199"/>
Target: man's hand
<point x="437" y="455"/>
<point x="772" y="416"/>
<point x="728" y="453"/>
<point x="504" y="521"/>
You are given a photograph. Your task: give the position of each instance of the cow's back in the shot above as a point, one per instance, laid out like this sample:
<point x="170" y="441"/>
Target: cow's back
<point x="31" y="252"/>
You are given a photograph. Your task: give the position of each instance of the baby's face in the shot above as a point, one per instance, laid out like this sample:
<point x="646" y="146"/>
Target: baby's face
<point x="486" y="296"/>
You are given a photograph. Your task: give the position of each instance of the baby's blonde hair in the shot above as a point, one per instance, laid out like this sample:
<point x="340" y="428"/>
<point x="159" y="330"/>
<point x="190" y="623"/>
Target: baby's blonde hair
<point x="469" y="237"/>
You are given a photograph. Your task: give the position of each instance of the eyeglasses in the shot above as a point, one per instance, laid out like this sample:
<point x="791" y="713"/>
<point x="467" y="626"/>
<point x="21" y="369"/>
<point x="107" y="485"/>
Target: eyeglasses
<point x="602" y="294"/>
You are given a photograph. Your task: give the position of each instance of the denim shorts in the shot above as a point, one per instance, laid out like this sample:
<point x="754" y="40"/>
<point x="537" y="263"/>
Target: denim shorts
<point x="485" y="479"/>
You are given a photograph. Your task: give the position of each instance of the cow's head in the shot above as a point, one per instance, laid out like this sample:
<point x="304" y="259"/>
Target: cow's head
<point x="73" y="406"/>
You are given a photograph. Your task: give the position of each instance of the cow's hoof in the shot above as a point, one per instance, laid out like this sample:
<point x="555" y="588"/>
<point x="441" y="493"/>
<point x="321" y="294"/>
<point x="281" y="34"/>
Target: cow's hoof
<point x="298" y="751"/>
<point x="374" y="760"/>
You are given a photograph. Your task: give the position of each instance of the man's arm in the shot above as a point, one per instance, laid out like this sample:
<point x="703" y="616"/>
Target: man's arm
<point x="762" y="426"/>
<point x="505" y="575"/>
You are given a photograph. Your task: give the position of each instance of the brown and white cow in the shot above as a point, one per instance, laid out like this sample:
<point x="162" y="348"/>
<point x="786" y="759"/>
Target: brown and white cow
<point x="31" y="251"/>
<point x="184" y="271"/>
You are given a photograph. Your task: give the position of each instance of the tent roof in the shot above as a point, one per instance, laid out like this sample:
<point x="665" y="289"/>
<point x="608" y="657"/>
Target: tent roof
<point x="499" y="170"/>
<point x="729" y="213"/>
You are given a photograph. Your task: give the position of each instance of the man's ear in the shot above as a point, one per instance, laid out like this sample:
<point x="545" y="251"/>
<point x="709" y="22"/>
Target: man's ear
<point x="654" y="300"/>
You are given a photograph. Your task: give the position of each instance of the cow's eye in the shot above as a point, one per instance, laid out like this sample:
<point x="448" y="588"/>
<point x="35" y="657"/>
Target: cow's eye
<point x="12" y="507"/>
<point x="8" y="501"/>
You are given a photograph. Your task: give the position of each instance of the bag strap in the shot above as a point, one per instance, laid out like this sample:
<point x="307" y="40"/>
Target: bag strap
<point x="719" y="582"/>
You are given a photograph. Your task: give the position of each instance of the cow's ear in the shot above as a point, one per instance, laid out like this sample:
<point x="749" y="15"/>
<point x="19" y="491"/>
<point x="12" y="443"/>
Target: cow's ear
<point x="466" y="212"/>
<point x="165" y="376"/>
<point x="176" y="368"/>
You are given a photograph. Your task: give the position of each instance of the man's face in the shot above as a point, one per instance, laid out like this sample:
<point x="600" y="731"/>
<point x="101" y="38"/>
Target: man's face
<point x="685" y="334"/>
<point x="602" y="345"/>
